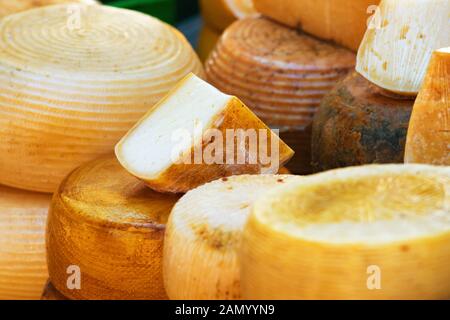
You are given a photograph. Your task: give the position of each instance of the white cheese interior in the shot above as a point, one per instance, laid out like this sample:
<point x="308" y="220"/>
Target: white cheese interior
<point x="148" y="148"/>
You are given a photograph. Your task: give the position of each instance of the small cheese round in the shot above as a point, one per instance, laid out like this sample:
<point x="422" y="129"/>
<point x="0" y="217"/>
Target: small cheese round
<point x="73" y="80"/>
<point x="106" y="230"/>
<point x="359" y="123"/>
<point x="23" y="269"/>
<point x="369" y="232"/>
<point x="203" y="235"/>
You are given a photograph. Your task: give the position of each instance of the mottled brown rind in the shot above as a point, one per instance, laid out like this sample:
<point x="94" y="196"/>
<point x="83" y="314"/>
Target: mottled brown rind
<point x="357" y="123"/>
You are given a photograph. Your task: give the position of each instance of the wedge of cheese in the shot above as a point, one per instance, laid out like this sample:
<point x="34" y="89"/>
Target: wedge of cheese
<point x="192" y="137"/>
<point x="105" y="235"/>
<point x="8" y="7"/>
<point x="219" y="14"/>
<point x="203" y="235"/>
<point x="359" y="123"/>
<point x="429" y="130"/>
<point x="395" y="54"/>
<point x="50" y="293"/>
<point x="369" y="232"/>
<point x="342" y="21"/>
<point x="73" y="80"/>
<point x="23" y="269"/>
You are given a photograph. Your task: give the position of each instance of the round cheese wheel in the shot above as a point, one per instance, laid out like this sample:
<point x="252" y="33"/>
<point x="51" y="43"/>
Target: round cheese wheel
<point x="207" y="41"/>
<point x="50" y="293"/>
<point x="73" y="80"/>
<point x="105" y="232"/>
<point x="359" y="123"/>
<point x="219" y="14"/>
<point x="369" y="232"/>
<point x="203" y="235"/>
<point x="8" y="7"/>
<point x="23" y="269"/>
<point x="279" y="73"/>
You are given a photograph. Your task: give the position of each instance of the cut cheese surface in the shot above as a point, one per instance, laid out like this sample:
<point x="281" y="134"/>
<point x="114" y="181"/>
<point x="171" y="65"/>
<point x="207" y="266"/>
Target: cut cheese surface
<point x="359" y="123"/>
<point x="8" y="7"/>
<point x="73" y="80"/>
<point x="203" y="236"/>
<point x="395" y="54"/>
<point x="341" y="21"/>
<point x="111" y="226"/>
<point x="391" y="218"/>
<point x="23" y="269"/>
<point x="151" y="152"/>
<point x="219" y="14"/>
<point x="429" y="130"/>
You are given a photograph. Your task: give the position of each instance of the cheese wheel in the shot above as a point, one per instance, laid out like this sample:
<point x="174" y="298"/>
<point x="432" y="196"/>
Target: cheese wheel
<point x="429" y="130"/>
<point x="207" y="41"/>
<point x="203" y="236"/>
<point x="73" y="80"/>
<point x="342" y="21"/>
<point x="8" y="7"/>
<point x="359" y="123"/>
<point x="50" y="293"/>
<point x="105" y="232"/>
<point x="219" y="14"/>
<point x="370" y="232"/>
<point x="281" y="74"/>
<point x="23" y="269"/>
<point x="395" y="54"/>
<point x="198" y="134"/>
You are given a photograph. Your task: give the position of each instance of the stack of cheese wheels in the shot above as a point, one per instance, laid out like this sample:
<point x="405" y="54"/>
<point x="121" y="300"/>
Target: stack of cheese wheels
<point x="204" y="233"/>
<point x="8" y="7"/>
<point x="279" y="73"/>
<point x="50" y="293"/>
<point x="370" y="232"/>
<point x="342" y="21"/>
<point x="359" y="123"/>
<point x="217" y="16"/>
<point x="429" y="130"/>
<point x="73" y="79"/>
<point x="395" y="53"/>
<point x="23" y="269"/>
<point x="109" y="226"/>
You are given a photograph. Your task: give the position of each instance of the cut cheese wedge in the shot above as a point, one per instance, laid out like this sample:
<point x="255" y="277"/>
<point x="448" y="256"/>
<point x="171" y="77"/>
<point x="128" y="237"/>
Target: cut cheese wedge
<point x="106" y="230"/>
<point x="370" y="232"/>
<point x="342" y="21"/>
<point x="73" y="80"/>
<point x="8" y="7"/>
<point x="196" y="135"/>
<point x="23" y="269"/>
<point x="50" y="293"/>
<point x="359" y="123"/>
<point x="219" y="14"/>
<point x="395" y="54"/>
<point x="429" y="130"/>
<point x="204" y="233"/>
<point x="207" y="41"/>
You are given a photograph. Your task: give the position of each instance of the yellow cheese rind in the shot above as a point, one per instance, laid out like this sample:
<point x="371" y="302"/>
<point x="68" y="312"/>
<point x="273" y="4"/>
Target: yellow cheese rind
<point x="73" y="80"/>
<point x="395" y="53"/>
<point x="341" y="21"/>
<point x="355" y="233"/>
<point x="111" y="226"/>
<point x="23" y="269"/>
<point x="203" y="235"/>
<point x="428" y="138"/>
